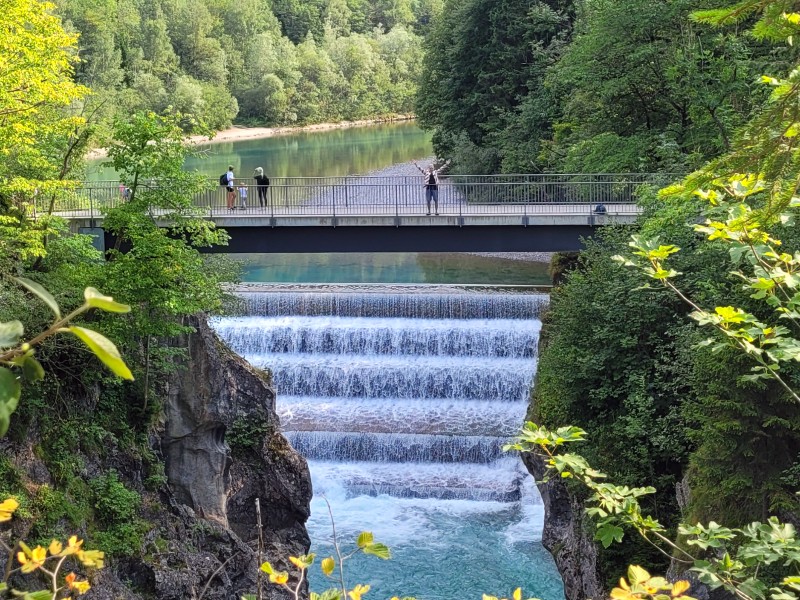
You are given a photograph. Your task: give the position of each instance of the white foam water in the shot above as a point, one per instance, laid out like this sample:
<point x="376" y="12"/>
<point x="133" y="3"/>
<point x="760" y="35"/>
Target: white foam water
<point x="402" y="403"/>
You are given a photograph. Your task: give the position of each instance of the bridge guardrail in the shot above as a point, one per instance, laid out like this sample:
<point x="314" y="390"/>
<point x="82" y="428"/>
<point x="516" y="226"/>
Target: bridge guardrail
<point x="397" y="195"/>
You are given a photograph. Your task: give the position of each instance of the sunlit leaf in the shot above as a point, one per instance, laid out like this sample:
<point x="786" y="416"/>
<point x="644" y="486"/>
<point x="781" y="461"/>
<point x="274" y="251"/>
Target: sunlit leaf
<point x="327" y="565"/>
<point x="104" y="349"/>
<point x="364" y="539"/>
<point x="97" y="300"/>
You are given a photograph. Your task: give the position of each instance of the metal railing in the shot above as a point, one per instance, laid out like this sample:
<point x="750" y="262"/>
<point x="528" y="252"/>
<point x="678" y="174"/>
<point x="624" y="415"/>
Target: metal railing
<point x="381" y="196"/>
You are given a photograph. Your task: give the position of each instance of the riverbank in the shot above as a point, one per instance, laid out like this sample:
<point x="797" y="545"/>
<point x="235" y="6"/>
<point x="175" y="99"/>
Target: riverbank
<point x="239" y="133"/>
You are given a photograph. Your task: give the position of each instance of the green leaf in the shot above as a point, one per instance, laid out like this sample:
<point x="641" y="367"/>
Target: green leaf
<point x="608" y="534"/>
<point x="10" y="333"/>
<point x="32" y="370"/>
<point x="330" y="594"/>
<point x="250" y="597"/>
<point x="97" y="300"/>
<point x="43" y="295"/>
<point x="379" y="550"/>
<point x="40" y="595"/>
<point x="9" y="390"/>
<point x="365" y="538"/>
<point x="104" y="349"/>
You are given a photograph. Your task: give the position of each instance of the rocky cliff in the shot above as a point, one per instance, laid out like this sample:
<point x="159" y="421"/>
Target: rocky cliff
<point x="215" y="395"/>
<point x="566" y="537"/>
<point x="217" y="439"/>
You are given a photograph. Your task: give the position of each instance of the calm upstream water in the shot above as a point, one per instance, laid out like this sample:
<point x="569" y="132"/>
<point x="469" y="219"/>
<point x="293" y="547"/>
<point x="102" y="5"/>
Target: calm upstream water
<point x="351" y="151"/>
<point x="392" y="267"/>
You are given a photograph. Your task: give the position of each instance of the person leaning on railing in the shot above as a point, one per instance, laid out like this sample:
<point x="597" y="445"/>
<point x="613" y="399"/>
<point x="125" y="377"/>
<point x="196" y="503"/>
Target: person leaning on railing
<point x="430" y="177"/>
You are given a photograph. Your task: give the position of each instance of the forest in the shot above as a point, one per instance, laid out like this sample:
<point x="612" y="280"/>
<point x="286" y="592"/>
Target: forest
<point x="286" y="62"/>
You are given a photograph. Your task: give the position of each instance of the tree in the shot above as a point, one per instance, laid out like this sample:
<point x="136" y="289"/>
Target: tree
<point x="158" y="270"/>
<point x="36" y="89"/>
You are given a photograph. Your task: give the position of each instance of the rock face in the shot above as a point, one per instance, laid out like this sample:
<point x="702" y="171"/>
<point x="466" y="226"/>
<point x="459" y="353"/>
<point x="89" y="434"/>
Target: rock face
<point x="566" y="538"/>
<point x="219" y="441"/>
<point x="219" y="395"/>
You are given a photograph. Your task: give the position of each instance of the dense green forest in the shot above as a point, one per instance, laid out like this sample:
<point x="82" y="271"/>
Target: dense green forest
<point x="588" y="86"/>
<point x="266" y="62"/>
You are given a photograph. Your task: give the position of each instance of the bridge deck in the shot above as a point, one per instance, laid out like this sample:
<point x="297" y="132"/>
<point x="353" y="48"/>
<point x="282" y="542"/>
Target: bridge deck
<point x="492" y="213"/>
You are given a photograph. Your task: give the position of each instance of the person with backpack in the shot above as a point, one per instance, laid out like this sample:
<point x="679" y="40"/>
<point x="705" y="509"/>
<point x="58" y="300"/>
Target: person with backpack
<point x="226" y="179"/>
<point x="262" y="183"/>
<point x="430" y="177"/>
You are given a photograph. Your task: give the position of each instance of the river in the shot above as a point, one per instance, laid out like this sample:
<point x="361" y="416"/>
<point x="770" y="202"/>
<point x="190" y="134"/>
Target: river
<point x="334" y="152"/>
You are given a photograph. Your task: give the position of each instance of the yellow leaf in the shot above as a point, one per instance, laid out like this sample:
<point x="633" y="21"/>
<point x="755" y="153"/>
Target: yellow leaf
<point x="637" y="574"/>
<point x="73" y="546"/>
<point x="91" y="558"/>
<point x="81" y="587"/>
<point x="104" y="349"/>
<point x="328" y="565"/>
<point x="297" y="562"/>
<point x="31" y="559"/>
<point x="7" y="508"/>
<point x="96" y="300"/>
<point x="518" y="594"/>
<point x="621" y="594"/>
<point x="55" y="547"/>
<point x="358" y="591"/>
<point x="679" y="587"/>
<point x="280" y="577"/>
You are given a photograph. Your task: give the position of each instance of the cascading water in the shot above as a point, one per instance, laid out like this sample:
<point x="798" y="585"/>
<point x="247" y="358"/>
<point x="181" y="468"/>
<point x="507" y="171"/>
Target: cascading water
<point x="402" y="403"/>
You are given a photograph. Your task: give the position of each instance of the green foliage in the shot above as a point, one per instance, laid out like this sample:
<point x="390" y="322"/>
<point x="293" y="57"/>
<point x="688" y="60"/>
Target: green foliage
<point x="19" y="355"/>
<point x="482" y="60"/>
<point x="120" y="531"/>
<point x="739" y="554"/>
<point x="275" y="64"/>
<point x="246" y="435"/>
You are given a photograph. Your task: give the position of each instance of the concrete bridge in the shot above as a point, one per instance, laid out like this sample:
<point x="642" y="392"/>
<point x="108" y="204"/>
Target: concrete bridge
<point x="498" y="213"/>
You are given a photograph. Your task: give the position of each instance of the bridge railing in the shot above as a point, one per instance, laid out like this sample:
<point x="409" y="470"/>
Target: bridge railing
<point x="387" y="195"/>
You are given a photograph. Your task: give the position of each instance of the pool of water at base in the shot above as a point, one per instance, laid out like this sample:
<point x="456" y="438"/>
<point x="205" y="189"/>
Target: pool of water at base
<point x="392" y="267"/>
<point x="441" y="549"/>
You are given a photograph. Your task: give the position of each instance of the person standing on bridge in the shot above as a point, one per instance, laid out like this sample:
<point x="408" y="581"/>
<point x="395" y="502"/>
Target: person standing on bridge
<point x="231" y="193"/>
<point x="262" y="186"/>
<point x="430" y="178"/>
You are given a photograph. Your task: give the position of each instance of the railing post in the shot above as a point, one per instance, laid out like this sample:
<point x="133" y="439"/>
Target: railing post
<point x="271" y="204"/>
<point x="346" y="198"/>
<point x="91" y="208"/>
<point x="396" y="200"/>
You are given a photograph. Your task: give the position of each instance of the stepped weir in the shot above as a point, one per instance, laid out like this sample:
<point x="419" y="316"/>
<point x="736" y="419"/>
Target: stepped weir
<point x="402" y="402"/>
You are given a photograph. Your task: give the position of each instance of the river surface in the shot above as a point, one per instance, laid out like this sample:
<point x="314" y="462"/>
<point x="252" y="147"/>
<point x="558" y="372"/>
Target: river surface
<point x="392" y="267"/>
<point x="335" y="152"/>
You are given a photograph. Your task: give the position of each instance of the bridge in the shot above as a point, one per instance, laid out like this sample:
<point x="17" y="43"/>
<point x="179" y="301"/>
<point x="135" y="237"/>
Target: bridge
<point x="489" y="213"/>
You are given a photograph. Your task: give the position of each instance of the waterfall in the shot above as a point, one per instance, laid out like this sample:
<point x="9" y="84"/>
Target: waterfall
<point x="402" y="403"/>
